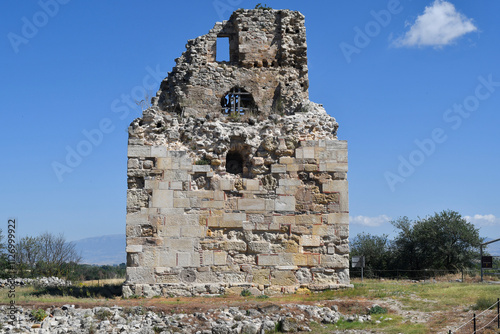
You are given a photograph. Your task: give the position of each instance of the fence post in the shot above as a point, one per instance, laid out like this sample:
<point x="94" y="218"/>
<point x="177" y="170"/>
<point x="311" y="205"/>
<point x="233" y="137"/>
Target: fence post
<point x="498" y="312"/>
<point x="474" y="323"/>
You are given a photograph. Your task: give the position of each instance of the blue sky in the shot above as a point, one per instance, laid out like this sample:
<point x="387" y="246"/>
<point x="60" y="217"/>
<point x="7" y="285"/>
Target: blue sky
<point x="414" y="85"/>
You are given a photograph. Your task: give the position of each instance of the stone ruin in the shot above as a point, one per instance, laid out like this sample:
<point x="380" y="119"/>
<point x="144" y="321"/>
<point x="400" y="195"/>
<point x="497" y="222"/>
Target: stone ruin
<point x="235" y="179"/>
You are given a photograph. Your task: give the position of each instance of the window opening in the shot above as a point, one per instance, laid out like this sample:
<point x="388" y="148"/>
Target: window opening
<point x="238" y="101"/>
<point x="222" y="49"/>
<point x="234" y="163"/>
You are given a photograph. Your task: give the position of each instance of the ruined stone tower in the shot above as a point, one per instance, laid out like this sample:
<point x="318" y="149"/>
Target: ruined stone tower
<point x="235" y="179"/>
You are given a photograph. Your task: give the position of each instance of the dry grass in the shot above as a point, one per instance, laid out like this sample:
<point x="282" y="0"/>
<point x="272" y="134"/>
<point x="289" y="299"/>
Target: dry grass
<point x="443" y="304"/>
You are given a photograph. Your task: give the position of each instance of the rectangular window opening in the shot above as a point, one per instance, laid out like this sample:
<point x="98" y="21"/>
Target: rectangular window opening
<point x="222" y="49"/>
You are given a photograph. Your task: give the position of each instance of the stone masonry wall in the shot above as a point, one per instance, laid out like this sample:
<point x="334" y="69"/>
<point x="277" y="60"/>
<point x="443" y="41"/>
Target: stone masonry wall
<point x="219" y="203"/>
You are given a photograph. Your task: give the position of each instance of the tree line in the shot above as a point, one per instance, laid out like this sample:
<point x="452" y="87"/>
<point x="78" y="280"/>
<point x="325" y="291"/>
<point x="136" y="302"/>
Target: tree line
<point x="51" y="255"/>
<point x="442" y="242"/>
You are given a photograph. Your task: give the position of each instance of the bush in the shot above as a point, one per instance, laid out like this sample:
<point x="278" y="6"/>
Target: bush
<point x="377" y="310"/>
<point x="202" y="162"/>
<point x="39" y="314"/>
<point x="246" y="293"/>
<point x="483" y="303"/>
<point x="103" y="314"/>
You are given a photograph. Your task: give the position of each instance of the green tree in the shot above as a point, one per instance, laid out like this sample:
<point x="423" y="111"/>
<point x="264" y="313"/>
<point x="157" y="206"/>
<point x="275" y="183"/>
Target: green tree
<point x="444" y="240"/>
<point x="375" y="249"/>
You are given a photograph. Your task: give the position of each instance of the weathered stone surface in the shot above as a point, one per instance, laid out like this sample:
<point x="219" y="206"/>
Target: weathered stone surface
<point x="229" y="196"/>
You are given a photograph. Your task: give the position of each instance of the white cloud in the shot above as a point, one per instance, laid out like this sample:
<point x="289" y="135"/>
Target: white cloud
<point x="483" y="220"/>
<point x="439" y="25"/>
<point x="369" y="221"/>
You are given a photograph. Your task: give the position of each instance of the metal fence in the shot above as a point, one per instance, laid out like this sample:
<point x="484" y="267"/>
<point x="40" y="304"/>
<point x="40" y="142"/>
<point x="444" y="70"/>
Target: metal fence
<point x="482" y="321"/>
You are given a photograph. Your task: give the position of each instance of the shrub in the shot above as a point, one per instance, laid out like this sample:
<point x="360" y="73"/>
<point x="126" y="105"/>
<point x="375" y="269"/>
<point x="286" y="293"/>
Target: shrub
<point x="202" y="162"/>
<point x="484" y="303"/>
<point x="39" y="314"/>
<point x="246" y="293"/>
<point x="377" y="310"/>
<point x="103" y="314"/>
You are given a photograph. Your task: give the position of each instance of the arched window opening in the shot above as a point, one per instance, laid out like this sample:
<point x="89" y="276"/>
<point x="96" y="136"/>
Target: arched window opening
<point x="234" y="163"/>
<point x="238" y="102"/>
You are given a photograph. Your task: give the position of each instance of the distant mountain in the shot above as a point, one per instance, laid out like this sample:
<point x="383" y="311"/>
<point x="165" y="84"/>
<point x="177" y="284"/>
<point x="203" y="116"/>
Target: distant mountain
<point x="494" y="248"/>
<point x="105" y="249"/>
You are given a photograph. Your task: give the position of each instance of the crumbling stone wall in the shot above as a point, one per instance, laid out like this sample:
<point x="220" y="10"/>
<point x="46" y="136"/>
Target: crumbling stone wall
<point x="262" y="44"/>
<point x="257" y="199"/>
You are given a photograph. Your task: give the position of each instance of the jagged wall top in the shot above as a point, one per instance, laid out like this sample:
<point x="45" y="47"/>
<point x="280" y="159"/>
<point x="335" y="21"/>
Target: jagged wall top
<point x="268" y="60"/>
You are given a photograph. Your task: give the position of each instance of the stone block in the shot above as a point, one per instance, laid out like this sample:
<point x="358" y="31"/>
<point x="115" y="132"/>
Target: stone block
<point x="270" y="205"/>
<point x="285" y="203"/>
<point x="343" y="231"/>
<point x="182" y="203"/>
<point x="175" y="185"/>
<point x="167" y="259"/>
<point x="133" y="164"/>
<point x="261" y="276"/>
<point x="163" y="198"/>
<point x="139" y="151"/>
<point x="201" y="168"/>
<point x="192" y="231"/>
<point x="134" y="248"/>
<point x="268" y="259"/>
<point x="226" y="184"/>
<point x="278" y="168"/>
<point x="338" y="218"/>
<point x="164" y="163"/>
<point x="136" y="218"/>
<point x="308" y="153"/>
<point x="311" y="168"/>
<point x="314" y="259"/>
<point x="140" y="275"/>
<point x="251" y="204"/>
<point x="336" y="167"/>
<point x="251" y="184"/>
<point x="212" y="221"/>
<point x="300" y="260"/>
<point x="234" y="245"/>
<point x="183" y="245"/>
<point x="309" y="219"/>
<point x="310" y="240"/>
<point x="219" y="195"/>
<point x="159" y="151"/>
<point x="342" y="156"/>
<point x="231" y="224"/>
<point x="323" y="230"/>
<point x="287" y="160"/>
<point x="220" y="258"/>
<point x="336" y="144"/>
<point x="283" y="278"/>
<point x="212" y="204"/>
<point x="170" y="231"/>
<point x="284" y="220"/>
<point x="258" y="247"/>
<point x="184" y="259"/>
<point x="335" y="261"/>
<point x="342" y="249"/>
<point x="152" y="184"/>
<point x="289" y="182"/>
<point x="207" y="257"/>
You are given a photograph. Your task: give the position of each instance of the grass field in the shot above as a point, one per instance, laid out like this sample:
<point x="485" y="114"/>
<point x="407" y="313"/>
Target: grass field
<point x="413" y="307"/>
